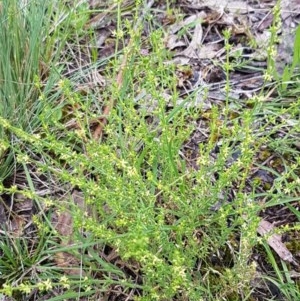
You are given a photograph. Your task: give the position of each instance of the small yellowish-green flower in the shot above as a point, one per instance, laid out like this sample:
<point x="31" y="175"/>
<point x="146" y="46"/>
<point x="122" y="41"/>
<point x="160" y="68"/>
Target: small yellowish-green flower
<point x="154" y="295"/>
<point x="160" y="186"/>
<point x="225" y="151"/>
<point x="272" y="51"/>
<point x="13" y="189"/>
<point x="48" y="285"/>
<point x="4" y="122"/>
<point x="88" y="288"/>
<point x="42" y="97"/>
<point x="29" y="194"/>
<point x="62" y="84"/>
<point x="38" y="223"/>
<point x="4" y="145"/>
<point x="23" y="158"/>
<point x="227" y="33"/>
<point x="7" y="289"/>
<point x="267" y="76"/>
<point x="48" y="202"/>
<point x="202" y="160"/>
<point x="41" y="286"/>
<point x="123" y="163"/>
<point x="276" y="9"/>
<point x="37" y="136"/>
<point x="25" y="288"/>
<point x="80" y="133"/>
<point x="37" y="82"/>
<point x="65" y="282"/>
<point x="118" y="34"/>
<point x="132" y="171"/>
<point x="85" y="279"/>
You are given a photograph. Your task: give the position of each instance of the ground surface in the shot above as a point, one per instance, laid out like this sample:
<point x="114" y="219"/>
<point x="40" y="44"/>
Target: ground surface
<point x="199" y="53"/>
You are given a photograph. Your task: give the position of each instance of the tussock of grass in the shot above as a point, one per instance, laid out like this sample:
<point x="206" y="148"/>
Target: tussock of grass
<point x="32" y="36"/>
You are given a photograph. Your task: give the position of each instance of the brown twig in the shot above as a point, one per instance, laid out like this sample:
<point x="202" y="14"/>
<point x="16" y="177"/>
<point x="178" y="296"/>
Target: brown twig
<point x="103" y="120"/>
<point x="119" y="80"/>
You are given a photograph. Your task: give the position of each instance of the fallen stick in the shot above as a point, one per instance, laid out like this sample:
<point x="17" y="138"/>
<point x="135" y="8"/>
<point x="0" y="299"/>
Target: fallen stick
<point x="119" y="80"/>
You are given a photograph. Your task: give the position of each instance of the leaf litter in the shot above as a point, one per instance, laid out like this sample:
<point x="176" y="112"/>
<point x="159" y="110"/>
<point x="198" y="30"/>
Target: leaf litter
<point x="196" y="42"/>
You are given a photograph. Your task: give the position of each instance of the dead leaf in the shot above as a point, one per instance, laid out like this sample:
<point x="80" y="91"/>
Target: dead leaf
<point x="63" y="223"/>
<point x="174" y="43"/>
<point x="186" y="22"/>
<point x="173" y="40"/>
<point x="17" y="225"/>
<point x="22" y="203"/>
<point x="192" y="50"/>
<point x="179" y="60"/>
<point x="212" y="4"/>
<point x="101" y="36"/>
<point x="240" y="7"/>
<point x="2" y="212"/>
<point x="275" y="242"/>
<point x="294" y="274"/>
<point x="210" y="51"/>
<point x="100" y="20"/>
<point x="288" y="9"/>
<point x="97" y="3"/>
